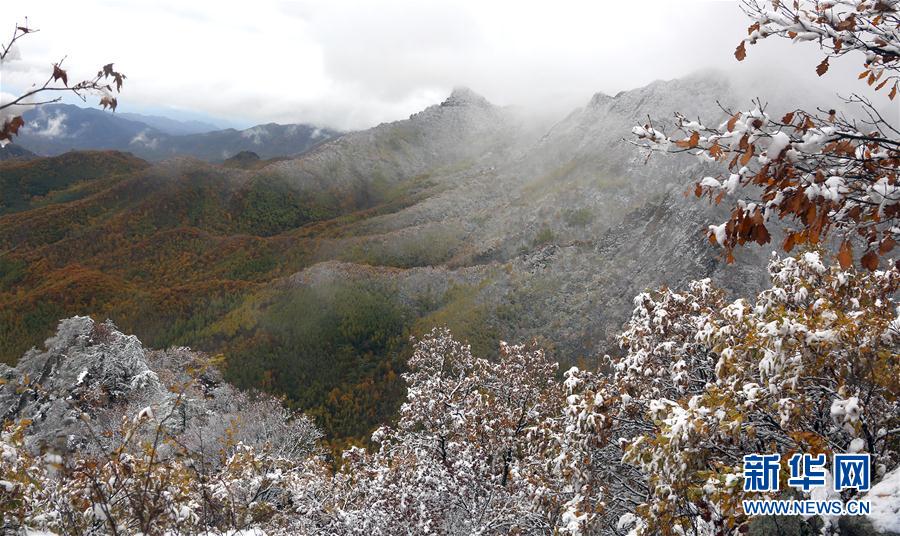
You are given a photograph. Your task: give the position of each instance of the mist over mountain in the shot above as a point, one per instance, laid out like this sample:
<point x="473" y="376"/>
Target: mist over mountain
<point x="466" y="214"/>
<point x="56" y="128"/>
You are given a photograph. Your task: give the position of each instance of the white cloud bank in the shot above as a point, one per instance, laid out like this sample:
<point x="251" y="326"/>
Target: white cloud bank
<point x="354" y="63"/>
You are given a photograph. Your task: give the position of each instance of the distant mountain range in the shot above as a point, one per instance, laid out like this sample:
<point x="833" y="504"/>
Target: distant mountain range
<point x="57" y="128"/>
<point x="169" y="125"/>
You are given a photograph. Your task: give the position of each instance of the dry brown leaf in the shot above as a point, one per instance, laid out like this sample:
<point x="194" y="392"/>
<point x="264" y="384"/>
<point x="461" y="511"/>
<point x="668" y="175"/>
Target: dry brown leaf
<point x="845" y="255"/>
<point x="870" y="261"/>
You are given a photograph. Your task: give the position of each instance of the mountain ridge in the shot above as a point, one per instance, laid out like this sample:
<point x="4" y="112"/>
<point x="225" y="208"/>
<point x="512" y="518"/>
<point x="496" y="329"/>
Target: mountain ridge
<point x="171" y="126"/>
<point x="310" y="274"/>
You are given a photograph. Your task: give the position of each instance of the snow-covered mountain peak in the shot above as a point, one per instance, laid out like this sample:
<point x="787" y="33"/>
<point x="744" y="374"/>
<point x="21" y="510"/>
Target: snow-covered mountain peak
<point x="463" y="96"/>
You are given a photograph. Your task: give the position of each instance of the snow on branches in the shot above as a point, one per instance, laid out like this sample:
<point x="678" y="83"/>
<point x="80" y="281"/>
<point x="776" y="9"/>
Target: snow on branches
<point x="101" y="436"/>
<point x="821" y="172"/>
<point x="811" y="366"/>
<point x="839" y="27"/>
<point x="651" y="442"/>
<point x="480" y="448"/>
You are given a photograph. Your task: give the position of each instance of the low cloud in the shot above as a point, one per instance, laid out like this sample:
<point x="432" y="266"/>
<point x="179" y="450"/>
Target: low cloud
<point x="256" y="135"/>
<point x="351" y="64"/>
<point x="145" y="139"/>
<point x="49" y="126"/>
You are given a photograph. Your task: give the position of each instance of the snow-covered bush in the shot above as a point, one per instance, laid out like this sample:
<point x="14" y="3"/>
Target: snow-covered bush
<point x="102" y="435"/>
<point x="138" y="489"/>
<point x="810" y="366"/>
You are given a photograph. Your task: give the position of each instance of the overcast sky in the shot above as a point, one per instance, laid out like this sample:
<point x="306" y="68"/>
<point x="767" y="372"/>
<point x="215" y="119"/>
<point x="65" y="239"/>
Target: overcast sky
<point x="353" y="64"/>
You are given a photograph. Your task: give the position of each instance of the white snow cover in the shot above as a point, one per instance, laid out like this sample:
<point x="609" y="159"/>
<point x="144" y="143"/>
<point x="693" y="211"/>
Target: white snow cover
<point x="885" y="502"/>
<point x="719" y="232"/>
<point x="780" y="140"/>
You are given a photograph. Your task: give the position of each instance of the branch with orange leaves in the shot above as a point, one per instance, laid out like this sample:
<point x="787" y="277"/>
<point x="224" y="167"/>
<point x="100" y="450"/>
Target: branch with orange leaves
<point x="818" y="173"/>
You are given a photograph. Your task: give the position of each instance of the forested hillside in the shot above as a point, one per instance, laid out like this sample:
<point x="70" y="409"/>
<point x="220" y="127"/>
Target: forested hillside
<point x="310" y="275"/>
<point x="27" y="184"/>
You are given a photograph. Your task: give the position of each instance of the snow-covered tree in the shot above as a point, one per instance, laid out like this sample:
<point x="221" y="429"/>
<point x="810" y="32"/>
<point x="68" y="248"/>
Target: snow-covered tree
<point x="480" y="447"/>
<point x="102" y="436"/>
<point x="822" y="172"/>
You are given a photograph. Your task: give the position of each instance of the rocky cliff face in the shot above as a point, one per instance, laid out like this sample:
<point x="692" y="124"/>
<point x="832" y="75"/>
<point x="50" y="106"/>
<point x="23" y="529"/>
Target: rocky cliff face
<point x="463" y="131"/>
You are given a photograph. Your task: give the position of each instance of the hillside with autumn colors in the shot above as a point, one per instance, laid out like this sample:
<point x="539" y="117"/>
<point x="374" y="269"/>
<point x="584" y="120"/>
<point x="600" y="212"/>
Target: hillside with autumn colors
<point x="310" y="275"/>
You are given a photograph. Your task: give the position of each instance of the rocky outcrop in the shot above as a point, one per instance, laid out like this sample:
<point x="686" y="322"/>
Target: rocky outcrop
<point x="85" y="369"/>
<point x="463" y="96"/>
<point x="90" y="381"/>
